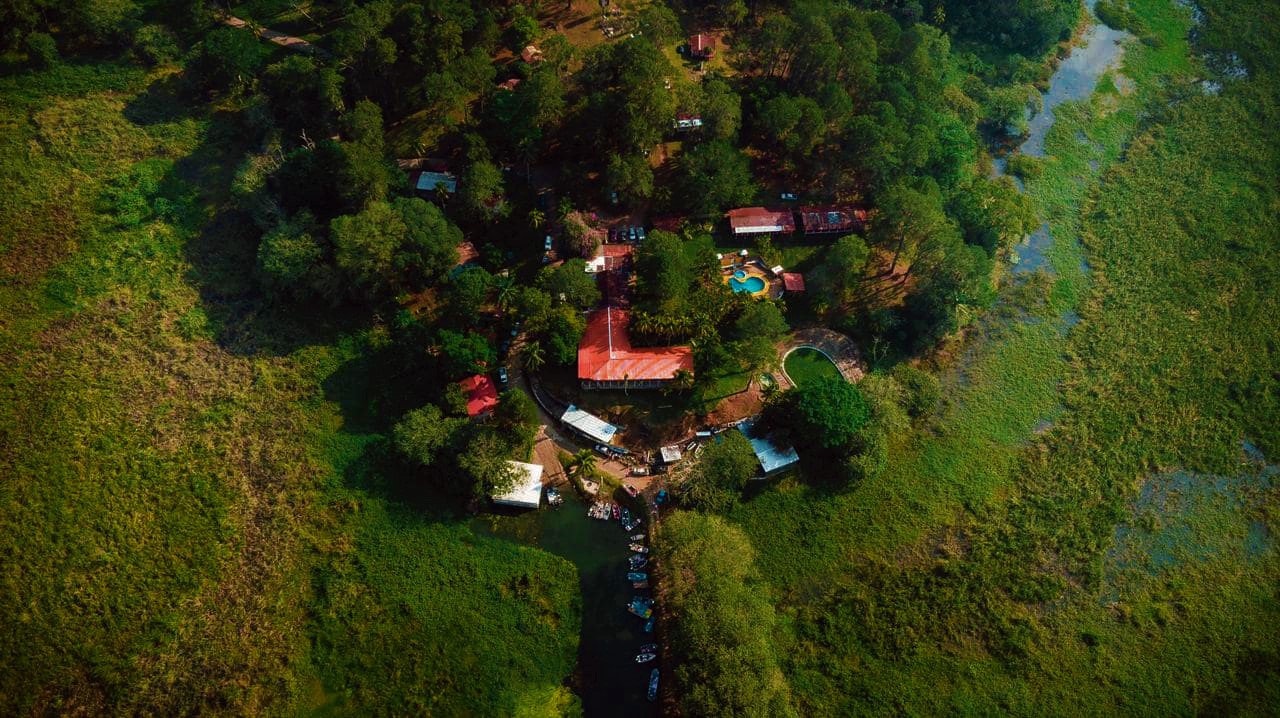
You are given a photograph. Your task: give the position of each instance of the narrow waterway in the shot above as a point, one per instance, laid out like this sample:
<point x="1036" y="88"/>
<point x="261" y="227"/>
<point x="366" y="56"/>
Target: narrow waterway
<point x="1099" y="50"/>
<point x="610" y="682"/>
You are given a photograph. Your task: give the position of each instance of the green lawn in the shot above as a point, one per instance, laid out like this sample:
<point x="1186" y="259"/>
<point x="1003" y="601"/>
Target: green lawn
<point x="805" y="365"/>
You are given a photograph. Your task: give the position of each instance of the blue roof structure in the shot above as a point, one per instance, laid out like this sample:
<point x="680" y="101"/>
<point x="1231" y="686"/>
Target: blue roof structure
<point x="771" y="456"/>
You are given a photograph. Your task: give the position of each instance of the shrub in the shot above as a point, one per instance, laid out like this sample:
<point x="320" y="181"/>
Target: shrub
<point x="155" y="45"/>
<point x="921" y="390"/>
<point x="42" y="51"/>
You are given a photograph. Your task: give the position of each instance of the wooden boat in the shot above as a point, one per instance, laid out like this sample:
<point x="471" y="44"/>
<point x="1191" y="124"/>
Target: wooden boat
<point x="639" y="584"/>
<point x="636" y="576"/>
<point x="649" y="648"/>
<point x="653" y="685"/>
<point x="648" y="626"/>
<point x="645" y="657"/>
<point x="637" y="537"/>
<point x="638" y="548"/>
<point x="616" y="513"/>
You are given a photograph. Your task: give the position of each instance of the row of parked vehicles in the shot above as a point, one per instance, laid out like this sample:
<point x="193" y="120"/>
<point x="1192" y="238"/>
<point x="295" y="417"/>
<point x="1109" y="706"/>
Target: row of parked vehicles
<point x="627" y="233"/>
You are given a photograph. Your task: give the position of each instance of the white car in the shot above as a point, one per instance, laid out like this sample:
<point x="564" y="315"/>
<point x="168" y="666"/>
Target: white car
<point x="789" y="196"/>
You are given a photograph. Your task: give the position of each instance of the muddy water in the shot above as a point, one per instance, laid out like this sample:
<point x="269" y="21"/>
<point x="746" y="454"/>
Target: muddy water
<point x="610" y="682"/>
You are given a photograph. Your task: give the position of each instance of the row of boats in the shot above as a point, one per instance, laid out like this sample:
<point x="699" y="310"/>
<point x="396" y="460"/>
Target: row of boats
<point x="610" y="511"/>
<point x="642" y="606"/>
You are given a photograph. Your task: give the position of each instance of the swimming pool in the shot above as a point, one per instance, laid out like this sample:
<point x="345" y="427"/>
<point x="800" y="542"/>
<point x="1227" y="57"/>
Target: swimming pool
<point x="750" y="284"/>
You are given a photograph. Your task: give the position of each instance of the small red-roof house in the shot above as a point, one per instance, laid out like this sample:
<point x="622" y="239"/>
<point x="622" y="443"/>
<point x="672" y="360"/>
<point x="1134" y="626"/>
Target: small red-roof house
<point x="758" y="220"/>
<point x="793" y="282"/>
<point x="531" y="54"/>
<point x="606" y="359"/>
<point x="482" y="395"/>
<point x="702" y="46"/>
<point x="831" y="220"/>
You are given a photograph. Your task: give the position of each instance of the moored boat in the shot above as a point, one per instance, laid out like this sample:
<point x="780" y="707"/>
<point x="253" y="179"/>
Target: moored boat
<point x="639" y="584"/>
<point x="653" y="685"/>
<point x="637" y="537"/>
<point x="648" y="626"/>
<point x="637" y="576"/>
<point x="638" y="548"/>
<point x="645" y="657"/>
<point x="616" y="513"/>
<point x="649" y="648"/>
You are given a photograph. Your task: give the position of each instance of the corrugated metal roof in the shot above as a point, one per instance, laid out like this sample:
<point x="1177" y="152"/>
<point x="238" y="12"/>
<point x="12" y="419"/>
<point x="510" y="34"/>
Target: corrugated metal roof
<point x="482" y="395"/>
<point x="771" y="456"/>
<point x="752" y="220"/>
<point x="589" y="424"/>
<point x="605" y="352"/>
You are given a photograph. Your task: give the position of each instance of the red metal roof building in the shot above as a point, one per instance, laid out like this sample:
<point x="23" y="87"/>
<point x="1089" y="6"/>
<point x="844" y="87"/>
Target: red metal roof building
<point x="793" y="281"/>
<point x="482" y="395"/>
<point x="606" y="359"/>
<point x="758" y="220"/>
<point x="831" y="220"/>
<point x="702" y="46"/>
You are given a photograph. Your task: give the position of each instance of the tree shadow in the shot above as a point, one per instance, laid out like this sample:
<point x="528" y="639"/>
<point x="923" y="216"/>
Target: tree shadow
<point x="164" y="101"/>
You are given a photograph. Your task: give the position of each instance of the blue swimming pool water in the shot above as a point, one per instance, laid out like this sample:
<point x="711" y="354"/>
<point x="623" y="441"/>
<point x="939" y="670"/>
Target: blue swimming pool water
<point x="738" y="275"/>
<point x="750" y="284"/>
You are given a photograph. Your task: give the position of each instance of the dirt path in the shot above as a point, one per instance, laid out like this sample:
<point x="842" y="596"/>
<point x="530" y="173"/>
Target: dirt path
<point x="279" y="38"/>
<point x="842" y="350"/>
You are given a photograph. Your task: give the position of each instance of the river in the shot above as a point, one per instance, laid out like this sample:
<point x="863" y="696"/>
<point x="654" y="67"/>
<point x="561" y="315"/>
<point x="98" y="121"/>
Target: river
<point x="609" y="681"/>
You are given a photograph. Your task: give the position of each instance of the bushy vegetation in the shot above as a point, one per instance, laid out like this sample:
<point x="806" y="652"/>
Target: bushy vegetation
<point x="998" y="581"/>
<point x="722" y="622"/>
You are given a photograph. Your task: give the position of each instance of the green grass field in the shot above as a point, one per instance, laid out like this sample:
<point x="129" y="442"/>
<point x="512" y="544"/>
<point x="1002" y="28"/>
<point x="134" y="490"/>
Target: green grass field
<point x="196" y="483"/>
<point x="990" y="568"/>
<point x="805" y="365"/>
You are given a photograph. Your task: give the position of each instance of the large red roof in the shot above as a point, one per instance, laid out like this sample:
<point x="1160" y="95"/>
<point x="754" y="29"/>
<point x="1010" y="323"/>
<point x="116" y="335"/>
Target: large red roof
<point x="752" y="220"/>
<point x="605" y="353"/>
<point x="482" y="395"/>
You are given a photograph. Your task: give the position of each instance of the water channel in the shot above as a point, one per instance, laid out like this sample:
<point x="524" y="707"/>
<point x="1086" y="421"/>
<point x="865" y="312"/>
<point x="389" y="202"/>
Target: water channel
<point x="609" y="681"/>
<point x="1099" y="50"/>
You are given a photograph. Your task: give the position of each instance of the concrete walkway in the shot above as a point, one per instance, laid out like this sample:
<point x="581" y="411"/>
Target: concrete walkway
<point x="279" y="38"/>
<point x="842" y="350"/>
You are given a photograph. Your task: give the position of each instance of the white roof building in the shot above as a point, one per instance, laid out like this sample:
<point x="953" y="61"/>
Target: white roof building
<point x="526" y="493"/>
<point x="772" y="458"/>
<point x="589" y="425"/>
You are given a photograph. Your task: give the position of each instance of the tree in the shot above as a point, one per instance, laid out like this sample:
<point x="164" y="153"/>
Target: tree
<point x="993" y="214"/>
<point x="721" y="110"/>
<point x="908" y="215"/>
<point x="722" y="472"/>
<point x="563" y="333"/>
<point x="535" y="357"/>
<point x="712" y="176"/>
<point x="824" y="414"/>
<point x="464" y="354"/>
<point x="842" y="270"/>
<point x="630" y="79"/>
<point x="155" y="45"/>
<point x="658" y="23"/>
<point x="290" y="258"/>
<point x="517" y="418"/>
<point x="758" y="330"/>
<point x="42" y="50"/>
<point x="485" y="464"/>
<point x="480" y="190"/>
<point x="579" y="236"/>
<point x="225" y="60"/>
<point x="430" y="246"/>
<point x="630" y="176"/>
<point x="426" y="435"/>
<point x="537" y="218"/>
<point x="663" y="272"/>
<point x="570" y="283"/>
<point x="304" y="97"/>
<point x="466" y="293"/>
<point x="366" y="245"/>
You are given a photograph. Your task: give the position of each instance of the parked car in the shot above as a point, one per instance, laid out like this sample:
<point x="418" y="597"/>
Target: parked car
<point x="789" y="196"/>
<point x="640" y="233"/>
<point x="631" y="233"/>
<point x="547" y="244"/>
<point x="502" y="375"/>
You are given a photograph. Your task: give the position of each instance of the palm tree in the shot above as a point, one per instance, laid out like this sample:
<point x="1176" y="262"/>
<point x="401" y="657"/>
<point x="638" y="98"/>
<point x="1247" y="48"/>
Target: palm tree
<point x="534" y="356"/>
<point x="583" y="463"/>
<point x="506" y="291"/>
<point x="537" y="218"/>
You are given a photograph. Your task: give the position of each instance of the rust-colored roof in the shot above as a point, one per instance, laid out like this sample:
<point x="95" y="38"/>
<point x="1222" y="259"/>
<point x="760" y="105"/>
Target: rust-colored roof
<point x="702" y="44"/>
<point x="751" y="220"/>
<point x="482" y="395"/>
<point x="606" y="354"/>
<point x="793" y="281"/>
<point x="821" y="220"/>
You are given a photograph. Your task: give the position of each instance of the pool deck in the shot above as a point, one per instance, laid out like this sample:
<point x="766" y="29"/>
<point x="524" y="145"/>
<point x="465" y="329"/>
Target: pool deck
<point x="840" y="349"/>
